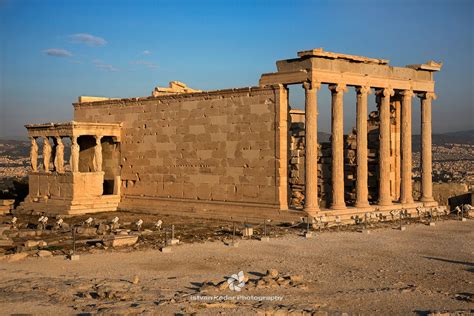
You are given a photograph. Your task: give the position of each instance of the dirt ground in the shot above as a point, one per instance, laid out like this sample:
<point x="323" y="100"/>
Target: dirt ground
<point x="387" y="271"/>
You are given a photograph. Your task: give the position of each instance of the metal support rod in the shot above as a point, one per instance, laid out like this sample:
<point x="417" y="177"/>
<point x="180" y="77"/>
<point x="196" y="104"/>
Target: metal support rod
<point x="73" y="240"/>
<point x="265" y="228"/>
<point x="245" y="231"/>
<point x="233" y="232"/>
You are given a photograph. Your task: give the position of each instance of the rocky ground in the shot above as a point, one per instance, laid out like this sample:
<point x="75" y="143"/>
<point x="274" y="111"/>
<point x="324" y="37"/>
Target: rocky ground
<point x="420" y="270"/>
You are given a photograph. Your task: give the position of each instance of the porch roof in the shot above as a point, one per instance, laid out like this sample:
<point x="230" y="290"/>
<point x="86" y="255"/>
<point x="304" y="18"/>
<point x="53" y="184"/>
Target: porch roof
<point x="74" y="129"/>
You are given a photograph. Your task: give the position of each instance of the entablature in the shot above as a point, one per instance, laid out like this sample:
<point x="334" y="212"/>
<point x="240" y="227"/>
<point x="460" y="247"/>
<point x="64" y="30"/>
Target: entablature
<point x="75" y="129"/>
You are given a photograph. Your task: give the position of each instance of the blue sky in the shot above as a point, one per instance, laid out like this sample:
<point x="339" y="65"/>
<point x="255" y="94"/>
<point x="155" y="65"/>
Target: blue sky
<point x="53" y="51"/>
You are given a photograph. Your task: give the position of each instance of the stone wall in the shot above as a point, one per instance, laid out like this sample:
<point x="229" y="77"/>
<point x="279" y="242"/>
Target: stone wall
<point x="65" y="185"/>
<point x="442" y="192"/>
<point x="218" y="146"/>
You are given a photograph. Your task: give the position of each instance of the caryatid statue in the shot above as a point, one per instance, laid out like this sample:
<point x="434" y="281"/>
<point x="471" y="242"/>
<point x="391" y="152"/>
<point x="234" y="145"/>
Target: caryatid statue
<point x="46" y="154"/>
<point x="97" y="162"/>
<point x="59" y="155"/>
<point x="34" y="155"/>
<point x="74" y="161"/>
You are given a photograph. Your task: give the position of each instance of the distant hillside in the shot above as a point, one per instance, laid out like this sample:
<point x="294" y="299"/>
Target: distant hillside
<point x="14" y="148"/>
<point x="323" y="137"/>
<point x="9" y="138"/>
<point x="461" y="137"/>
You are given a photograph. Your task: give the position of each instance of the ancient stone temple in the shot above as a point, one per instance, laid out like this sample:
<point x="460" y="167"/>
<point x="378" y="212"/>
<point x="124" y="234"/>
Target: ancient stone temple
<point x="235" y="152"/>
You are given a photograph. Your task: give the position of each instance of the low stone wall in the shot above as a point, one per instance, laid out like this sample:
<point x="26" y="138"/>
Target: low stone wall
<point x="69" y="193"/>
<point x="67" y="185"/>
<point x="442" y="192"/>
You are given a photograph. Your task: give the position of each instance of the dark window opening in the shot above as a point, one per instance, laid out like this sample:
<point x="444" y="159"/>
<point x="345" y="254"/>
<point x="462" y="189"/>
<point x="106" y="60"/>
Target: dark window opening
<point x="108" y="187"/>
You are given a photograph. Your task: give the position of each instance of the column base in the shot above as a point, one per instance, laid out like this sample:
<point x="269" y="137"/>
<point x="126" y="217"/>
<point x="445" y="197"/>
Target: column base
<point x="384" y="202"/>
<point x="362" y="205"/>
<point x="410" y="204"/>
<point x="338" y="207"/>
<point x="427" y="199"/>
<point x="407" y="202"/>
<point x="429" y="203"/>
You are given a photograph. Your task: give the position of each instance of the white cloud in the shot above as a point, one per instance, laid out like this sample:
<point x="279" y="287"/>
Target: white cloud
<point x="57" y="52"/>
<point x="146" y="52"/>
<point x="102" y="66"/>
<point x="146" y="63"/>
<point x="87" y="39"/>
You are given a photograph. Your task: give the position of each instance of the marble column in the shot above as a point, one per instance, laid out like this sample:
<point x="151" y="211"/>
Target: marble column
<point x="47" y="150"/>
<point x="311" y="204"/>
<point x="34" y="154"/>
<point x="397" y="152"/>
<point x="283" y="131"/>
<point x="97" y="161"/>
<point x="59" y="155"/>
<point x="362" y="189"/>
<point x="406" y="189"/>
<point x="426" y="160"/>
<point x="74" y="160"/>
<point x="337" y="142"/>
<point x="384" y="147"/>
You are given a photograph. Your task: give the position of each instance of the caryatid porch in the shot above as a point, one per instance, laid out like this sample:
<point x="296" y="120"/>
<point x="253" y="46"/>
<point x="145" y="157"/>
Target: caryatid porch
<point x="339" y="72"/>
<point x="91" y="177"/>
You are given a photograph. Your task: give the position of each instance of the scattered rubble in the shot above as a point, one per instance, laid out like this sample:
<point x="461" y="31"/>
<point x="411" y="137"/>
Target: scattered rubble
<point x="121" y="241"/>
<point x="23" y="233"/>
<point x="44" y="253"/>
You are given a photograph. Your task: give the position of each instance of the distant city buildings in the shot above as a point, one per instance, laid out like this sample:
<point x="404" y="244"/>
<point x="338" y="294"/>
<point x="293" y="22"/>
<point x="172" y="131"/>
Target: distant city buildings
<point x="451" y="163"/>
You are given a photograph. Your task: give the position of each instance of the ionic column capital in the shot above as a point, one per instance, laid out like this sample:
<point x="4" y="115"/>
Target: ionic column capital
<point x="338" y="88"/>
<point x="407" y="93"/>
<point x="311" y="85"/>
<point x="363" y="90"/>
<point x="386" y="92"/>
<point x="427" y="95"/>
